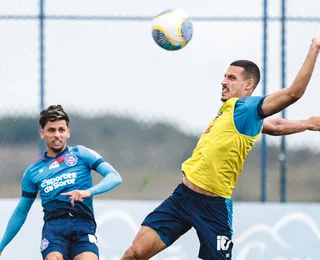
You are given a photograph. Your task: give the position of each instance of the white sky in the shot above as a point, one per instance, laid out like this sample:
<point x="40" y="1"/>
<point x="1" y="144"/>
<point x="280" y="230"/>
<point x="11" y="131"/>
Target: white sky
<point x="114" y="66"/>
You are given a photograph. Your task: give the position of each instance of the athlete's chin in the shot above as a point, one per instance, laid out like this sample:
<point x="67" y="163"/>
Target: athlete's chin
<point x="224" y="99"/>
<point x="57" y="149"/>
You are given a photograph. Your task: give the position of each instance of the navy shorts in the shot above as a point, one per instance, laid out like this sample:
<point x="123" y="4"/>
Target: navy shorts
<point x="68" y="235"/>
<point x="210" y="216"/>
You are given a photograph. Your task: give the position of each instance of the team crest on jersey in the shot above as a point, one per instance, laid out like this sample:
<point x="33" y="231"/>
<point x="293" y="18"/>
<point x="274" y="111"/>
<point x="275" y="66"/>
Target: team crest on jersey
<point x="44" y="244"/>
<point x="70" y="160"/>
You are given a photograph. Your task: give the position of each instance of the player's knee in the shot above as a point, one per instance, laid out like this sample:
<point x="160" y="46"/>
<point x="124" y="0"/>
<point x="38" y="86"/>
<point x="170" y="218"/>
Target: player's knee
<point x="128" y="255"/>
<point x="54" y="257"/>
<point x="135" y="253"/>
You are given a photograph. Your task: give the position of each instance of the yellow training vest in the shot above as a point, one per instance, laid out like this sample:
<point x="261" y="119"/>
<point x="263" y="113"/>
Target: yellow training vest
<point x="218" y="158"/>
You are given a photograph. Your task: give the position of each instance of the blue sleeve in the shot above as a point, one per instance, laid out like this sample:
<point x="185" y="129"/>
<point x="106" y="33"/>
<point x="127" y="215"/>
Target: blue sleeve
<point x="16" y="221"/>
<point x="29" y="188"/>
<point x="248" y="116"/>
<point x="111" y="179"/>
<point x="91" y="158"/>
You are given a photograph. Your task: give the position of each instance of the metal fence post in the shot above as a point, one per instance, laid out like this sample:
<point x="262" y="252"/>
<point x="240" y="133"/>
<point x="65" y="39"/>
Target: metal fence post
<point x="283" y="152"/>
<point x="264" y="173"/>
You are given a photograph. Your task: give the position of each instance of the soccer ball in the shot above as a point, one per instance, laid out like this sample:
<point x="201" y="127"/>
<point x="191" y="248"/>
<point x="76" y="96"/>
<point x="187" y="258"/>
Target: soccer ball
<point x="172" y="29"/>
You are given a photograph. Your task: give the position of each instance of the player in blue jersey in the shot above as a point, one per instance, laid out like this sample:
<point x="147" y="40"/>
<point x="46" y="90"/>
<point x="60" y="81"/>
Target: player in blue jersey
<point x="203" y="199"/>
<point x="62" y="176"/>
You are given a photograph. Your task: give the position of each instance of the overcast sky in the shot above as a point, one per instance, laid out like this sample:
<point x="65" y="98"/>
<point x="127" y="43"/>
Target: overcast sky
<point x="114" y="66"/>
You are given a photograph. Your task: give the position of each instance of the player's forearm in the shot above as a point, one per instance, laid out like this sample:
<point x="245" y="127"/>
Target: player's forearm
<point x="301" y="82"/>
<point x="282" y="126"/>
<point x="110" y="181"/>
<point x="16" y="221"/>
<point x="14" y="225"/>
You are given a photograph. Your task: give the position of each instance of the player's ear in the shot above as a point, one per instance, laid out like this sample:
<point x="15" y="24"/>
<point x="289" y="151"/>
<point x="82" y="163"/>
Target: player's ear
<point x="68" y="136"/>
<point x="250" y="84"/>
<point x="41" y="134"/>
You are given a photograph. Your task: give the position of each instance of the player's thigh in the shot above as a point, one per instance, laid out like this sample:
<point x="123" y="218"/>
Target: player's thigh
<point x="54" y="256"/>
<point x="147" y="242"/>
<point x="54" y="242"/>
<point x="84" y="239"/>
<point x="170" y="219"/>
<point x="161" y="227"/>
<point x="84" y="248"/>
<point x="86" y="256"/>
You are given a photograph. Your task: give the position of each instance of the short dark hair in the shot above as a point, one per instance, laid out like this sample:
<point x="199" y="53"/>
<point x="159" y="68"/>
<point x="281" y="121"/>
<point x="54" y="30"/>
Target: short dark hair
<point x="250" y="69"/>
<point x="53" y="113"/>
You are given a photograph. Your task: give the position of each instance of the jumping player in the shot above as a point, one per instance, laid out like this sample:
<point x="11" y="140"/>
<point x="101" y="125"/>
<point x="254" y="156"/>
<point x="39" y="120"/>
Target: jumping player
<point x="203" y="199"/>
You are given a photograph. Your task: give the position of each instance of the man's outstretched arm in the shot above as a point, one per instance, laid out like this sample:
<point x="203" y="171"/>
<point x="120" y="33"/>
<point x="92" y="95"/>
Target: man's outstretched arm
<point x="16" y="221"/>
<point x="280" y="126"/>
<point x="279" y="100"/>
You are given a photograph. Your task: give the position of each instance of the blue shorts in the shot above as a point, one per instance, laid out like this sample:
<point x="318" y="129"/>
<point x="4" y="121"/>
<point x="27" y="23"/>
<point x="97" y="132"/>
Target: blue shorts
<point x="68" y="235"/>
<point x="210" y="216"/>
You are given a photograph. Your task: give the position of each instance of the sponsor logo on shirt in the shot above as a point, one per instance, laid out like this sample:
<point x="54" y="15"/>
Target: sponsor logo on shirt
<point x="65" y="179"/>
<point x="54" y="165"/>
<point x="70" y="160"/>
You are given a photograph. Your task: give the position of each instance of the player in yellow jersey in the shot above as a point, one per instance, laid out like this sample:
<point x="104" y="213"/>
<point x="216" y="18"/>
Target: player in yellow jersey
<point x="203" y="199"/>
